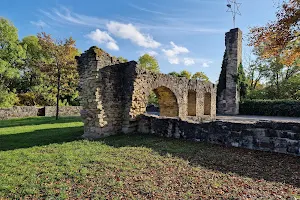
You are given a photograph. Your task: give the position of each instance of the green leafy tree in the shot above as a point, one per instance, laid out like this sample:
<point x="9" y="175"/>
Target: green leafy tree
<point x="11" y="58"/>
<point x="200" y="76"/>
<point x="174" y="74"/>
<point x="30" y="71"/>
<point x="148" y="62"/>
<point x="291" y="88"/>
<point x="185" y="74"/>
<point x="242" y="81"/>
<point x="122" y="59"/>
<point x="60" y="66"/>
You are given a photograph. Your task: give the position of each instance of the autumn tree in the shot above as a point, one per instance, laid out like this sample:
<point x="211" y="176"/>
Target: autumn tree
<point x="59" y="66"/>
<point x="280" y="38"/>
<point x="148" y="62"/>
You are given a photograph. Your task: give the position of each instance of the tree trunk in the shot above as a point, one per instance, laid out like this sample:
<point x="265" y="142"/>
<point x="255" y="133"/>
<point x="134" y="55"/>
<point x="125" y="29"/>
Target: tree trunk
<point x="277" y="85"/>
<point x="57" y="96"/>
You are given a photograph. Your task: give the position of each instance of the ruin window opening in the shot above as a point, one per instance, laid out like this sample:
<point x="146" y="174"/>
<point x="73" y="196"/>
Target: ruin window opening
<point x="192" y="103"/>
<point x="207" y="103"/>
<point x="152" y="104"/>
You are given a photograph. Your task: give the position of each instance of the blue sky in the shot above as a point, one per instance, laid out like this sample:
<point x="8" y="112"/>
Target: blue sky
<point x="181" y="34"/>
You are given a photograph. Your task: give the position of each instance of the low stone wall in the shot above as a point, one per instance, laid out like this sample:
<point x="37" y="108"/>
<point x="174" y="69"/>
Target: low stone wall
<point x="32" y="111"/>
<point x="272" y="136"/>
<point x="63" y="111"/>
<point x="20" y="111"/>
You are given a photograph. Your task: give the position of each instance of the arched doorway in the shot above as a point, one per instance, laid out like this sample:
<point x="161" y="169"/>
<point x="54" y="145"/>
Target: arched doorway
<point x="167" y="102"/>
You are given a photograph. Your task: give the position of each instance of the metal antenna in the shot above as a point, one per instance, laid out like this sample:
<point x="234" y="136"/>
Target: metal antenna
<point x="234" y="7"/>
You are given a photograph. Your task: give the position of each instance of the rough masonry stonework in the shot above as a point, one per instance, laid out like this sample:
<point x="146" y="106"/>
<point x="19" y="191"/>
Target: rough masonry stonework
<point x="281" y="137"/>
<point x="114" y="95"/>
<point x="228" y="93"/>
<point x="33" y="111"/>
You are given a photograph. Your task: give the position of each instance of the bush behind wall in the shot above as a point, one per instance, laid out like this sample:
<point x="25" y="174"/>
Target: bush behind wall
<point x="288" y="108"/>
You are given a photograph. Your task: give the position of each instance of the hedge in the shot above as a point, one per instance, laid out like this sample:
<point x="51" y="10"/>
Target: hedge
<point x="289" y="108"/>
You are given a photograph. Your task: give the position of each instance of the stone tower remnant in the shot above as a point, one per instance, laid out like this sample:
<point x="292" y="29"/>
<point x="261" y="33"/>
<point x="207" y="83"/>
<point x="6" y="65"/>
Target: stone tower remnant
<point x="228" y="95"/>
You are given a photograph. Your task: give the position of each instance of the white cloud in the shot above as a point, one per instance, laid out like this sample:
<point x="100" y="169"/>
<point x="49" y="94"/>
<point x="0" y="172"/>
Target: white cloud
<point x="175" y="50"/>
<point x="39" y="23"/>
<point x="203" y="62"/>
<point x="112" y="46"/>
<point x="64" y="16"/>
<point x="174" y="60"/>
<point x="172" y="54"/>
<point x="147" y="10"/>
<point x="129" y="31"/>
<point x="151" y="53"/>
<point x="103" y="37"/>
<point x="205" y="65"/>
<point x="188" y="61"/>
<point x="166" y="25"/>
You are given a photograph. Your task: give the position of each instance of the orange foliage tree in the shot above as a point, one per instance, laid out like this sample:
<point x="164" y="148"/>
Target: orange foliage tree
<point x="280" y="38"/>
<point x="60" y="64"/>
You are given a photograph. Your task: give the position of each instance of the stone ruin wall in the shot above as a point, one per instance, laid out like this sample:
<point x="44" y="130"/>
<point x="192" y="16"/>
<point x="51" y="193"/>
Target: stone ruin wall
<point x="172" y="93"/>
<point x="99" y="93"/>
<point x="34" y="111"/>
<point x="114" y="94"/>
<point x="228" y="93"/>
<point x="280" y="137"/>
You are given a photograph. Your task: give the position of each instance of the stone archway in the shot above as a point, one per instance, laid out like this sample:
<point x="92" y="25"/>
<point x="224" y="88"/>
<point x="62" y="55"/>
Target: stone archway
<point x="167" y="101"/>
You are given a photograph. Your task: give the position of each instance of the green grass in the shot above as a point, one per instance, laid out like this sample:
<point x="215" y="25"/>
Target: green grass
<point x="43" y="158"/>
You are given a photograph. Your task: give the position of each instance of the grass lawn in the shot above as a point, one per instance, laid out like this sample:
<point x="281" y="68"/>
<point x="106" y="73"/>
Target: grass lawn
<point x="43" y="158"/>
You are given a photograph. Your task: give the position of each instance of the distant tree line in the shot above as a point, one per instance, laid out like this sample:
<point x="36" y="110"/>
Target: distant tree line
<point x="37" y="70"/>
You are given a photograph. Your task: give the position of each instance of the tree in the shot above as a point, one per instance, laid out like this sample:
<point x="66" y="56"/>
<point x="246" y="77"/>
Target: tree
<point x="270" y="79"/>
<point x="186" y="74"/>
<point x="11" y="58"/>
<point x="242" y="81"/>
<point x="60" y="65"/>
<point x="200" y="76"/>
<point x="280" y="38"/>
<point x="174" y="74"/>
<point x="31" y="73"/>
<point x="256" y="70"/>
<point x="122" y="60"/>
<point x="148" y="62"/>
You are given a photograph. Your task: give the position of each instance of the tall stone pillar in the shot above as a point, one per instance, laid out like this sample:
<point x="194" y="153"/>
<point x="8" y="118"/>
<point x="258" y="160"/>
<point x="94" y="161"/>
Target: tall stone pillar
<point x="228" y="95"/>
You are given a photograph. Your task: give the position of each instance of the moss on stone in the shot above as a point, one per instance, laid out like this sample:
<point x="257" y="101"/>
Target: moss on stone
<point x="222" y="79"/>
<point x="94" y="49"/>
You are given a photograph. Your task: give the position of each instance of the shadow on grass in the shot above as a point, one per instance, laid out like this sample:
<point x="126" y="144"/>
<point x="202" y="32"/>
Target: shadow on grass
<point x="248" y="163"/>
<point x="36" y="121"/>
<point x="39" y="138"/>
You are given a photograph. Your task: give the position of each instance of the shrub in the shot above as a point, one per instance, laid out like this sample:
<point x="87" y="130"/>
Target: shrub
<point x="290" y="108"/>
<point x="7" y="98"/>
